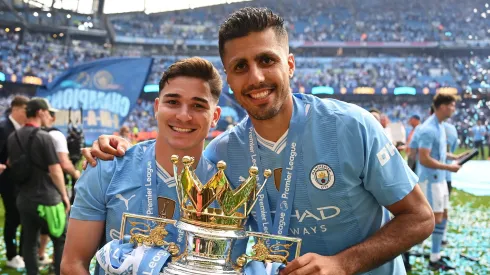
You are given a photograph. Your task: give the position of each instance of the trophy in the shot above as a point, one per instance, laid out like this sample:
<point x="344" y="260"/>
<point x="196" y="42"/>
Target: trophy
<point x="213" y="218"/>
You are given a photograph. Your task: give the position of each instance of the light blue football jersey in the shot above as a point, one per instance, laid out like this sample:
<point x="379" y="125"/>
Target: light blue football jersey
<point x="479" y="132"/>
<point x="414" y="142"/>
<point x="106" y="191"/>
<point x="432" y="136"/>
<point x="347" y="171"/>
<point x="452" y="143"/>
<point x="414" y="145"/>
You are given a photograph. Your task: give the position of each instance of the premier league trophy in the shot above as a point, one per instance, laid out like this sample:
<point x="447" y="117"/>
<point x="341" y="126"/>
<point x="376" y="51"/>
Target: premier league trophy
<point x="212" y="217"/>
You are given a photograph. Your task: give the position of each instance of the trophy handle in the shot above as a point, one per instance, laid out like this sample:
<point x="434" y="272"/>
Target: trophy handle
<point x="148" y="236"/>
<point x="264" y="252"/>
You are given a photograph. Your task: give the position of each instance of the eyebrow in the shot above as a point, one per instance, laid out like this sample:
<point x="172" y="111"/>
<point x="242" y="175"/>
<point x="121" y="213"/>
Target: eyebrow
<point x="200" y="99"/>
<point x="258" y="56"/>
<point x="266" y="53"/>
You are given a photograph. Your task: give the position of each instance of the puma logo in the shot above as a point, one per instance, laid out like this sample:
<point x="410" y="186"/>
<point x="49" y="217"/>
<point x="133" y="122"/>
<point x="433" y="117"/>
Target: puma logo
<point x="126" y="201"/>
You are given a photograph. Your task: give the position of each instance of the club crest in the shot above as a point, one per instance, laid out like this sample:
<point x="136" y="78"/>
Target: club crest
<point x="322" y="176"/>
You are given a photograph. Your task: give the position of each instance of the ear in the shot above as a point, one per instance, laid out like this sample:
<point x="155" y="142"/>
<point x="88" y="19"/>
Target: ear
<point x="216" y="116"/>
<point x="155" y="106"/>
<point x="291" y="65"/>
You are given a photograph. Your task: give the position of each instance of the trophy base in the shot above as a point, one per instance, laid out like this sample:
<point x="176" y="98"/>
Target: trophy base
<point x="190" y="269"/>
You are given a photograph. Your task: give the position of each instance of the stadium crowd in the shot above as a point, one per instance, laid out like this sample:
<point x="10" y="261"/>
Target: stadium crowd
<point x="42" y="56"/>
<point x="357" y="20"/>
<point x="45" y="57"/>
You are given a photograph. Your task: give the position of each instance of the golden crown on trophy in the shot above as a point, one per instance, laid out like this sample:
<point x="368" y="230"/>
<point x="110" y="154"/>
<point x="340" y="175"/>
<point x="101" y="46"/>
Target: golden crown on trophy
<point x="215" y="205"/>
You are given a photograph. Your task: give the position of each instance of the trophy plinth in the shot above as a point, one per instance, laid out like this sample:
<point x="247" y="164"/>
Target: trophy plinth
<point x="212" y="216"/>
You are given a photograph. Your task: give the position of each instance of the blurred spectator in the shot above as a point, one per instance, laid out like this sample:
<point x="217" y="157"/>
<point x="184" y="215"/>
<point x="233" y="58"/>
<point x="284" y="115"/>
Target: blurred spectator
<point x="15" y="120"/>
<point x="126" y="134"/>
<point x="479" y="136"/>
<point x="414" y="121"/>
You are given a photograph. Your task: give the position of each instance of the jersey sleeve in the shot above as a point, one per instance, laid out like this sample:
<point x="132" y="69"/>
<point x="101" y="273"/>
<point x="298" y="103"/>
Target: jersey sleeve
<point x="385" y="173"/>
<point x="426" y="139"/>
<point x="59" y="141"/>
<point x="90" y="199"/>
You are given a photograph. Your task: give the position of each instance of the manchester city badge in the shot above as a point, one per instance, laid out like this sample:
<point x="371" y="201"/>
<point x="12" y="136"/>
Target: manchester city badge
<point x="322" y="176"/>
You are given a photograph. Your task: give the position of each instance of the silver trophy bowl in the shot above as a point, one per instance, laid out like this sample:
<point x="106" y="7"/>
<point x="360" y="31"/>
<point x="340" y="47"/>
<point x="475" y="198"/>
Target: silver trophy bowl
<point x="207" y="251"/>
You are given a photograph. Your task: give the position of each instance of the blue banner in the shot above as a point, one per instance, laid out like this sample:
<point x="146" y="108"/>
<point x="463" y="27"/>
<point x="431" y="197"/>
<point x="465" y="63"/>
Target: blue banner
<point x="105" y="90"/>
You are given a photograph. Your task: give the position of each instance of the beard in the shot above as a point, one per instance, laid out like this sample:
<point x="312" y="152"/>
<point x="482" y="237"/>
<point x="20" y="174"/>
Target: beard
<point x="266" y="114"/>
<point x="269" y="111"/>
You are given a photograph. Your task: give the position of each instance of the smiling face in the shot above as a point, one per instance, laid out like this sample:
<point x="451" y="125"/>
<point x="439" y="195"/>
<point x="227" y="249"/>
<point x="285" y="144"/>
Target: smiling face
<point x="185" y="111"/>
<point x="258" y="67"/>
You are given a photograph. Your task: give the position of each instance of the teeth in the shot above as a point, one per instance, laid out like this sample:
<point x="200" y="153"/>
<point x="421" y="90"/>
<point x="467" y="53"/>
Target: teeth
<point x="260" y="95"/>
<point x="182" y="130"/>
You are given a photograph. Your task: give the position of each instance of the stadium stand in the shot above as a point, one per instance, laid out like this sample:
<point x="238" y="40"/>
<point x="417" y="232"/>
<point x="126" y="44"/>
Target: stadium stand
<point x="310" y="20"/>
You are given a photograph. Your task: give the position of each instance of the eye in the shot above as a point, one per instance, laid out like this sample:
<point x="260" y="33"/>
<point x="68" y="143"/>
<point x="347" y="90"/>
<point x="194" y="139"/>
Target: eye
<point x="240" y="67"/>
<point x="267" y="60"/>
<point x="171" y="102"/>
<point x="199" y="106"/>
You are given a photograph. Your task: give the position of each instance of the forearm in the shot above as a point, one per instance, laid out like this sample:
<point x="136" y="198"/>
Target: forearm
<point x="451" y="156"/>
<point x="69" y="169"/>
<point x="432" y="163"/>
<point x="67" y="165"/>
<point x="387" y="243"/>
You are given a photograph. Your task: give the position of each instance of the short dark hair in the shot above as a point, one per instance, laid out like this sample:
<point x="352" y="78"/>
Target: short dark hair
<point x="443" y="98"/>
<point x="194" y="67"/>
<point x="246" y="20"/>
<point x="417" y="117"/>
<point x="19" y="101"/>
<point x="375" y="110"/>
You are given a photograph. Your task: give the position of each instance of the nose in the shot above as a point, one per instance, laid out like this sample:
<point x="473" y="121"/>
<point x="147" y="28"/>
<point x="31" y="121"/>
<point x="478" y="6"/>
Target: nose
<point x="256" y="75"/>
<point x="183" y="114"/>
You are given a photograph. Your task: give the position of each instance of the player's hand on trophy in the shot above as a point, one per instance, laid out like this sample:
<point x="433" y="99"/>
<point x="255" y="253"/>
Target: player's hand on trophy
<point x="454" y="167"/>
<point x="105" y="148"/>
<point x="312" y="263"/>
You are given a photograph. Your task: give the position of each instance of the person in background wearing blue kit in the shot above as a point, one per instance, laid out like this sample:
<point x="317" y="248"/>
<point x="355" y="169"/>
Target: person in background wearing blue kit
<point x="432" y="155"/>
<point x="479" y="134"/>
<point x="452" y="144"/>
<point x="334" y="169"/>
<point x="142" y="181"/>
